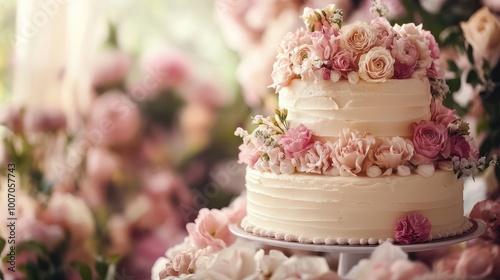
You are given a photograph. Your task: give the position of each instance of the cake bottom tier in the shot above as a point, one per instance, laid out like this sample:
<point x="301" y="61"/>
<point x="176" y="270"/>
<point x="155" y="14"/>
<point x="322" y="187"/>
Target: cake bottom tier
<point x="319" y="209"/>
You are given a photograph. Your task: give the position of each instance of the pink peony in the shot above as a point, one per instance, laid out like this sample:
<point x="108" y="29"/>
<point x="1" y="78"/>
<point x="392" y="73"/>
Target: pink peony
<point x="429" y="139"/>
<point x="393" y="152"/>
<point x="296" y="141"/>
<point x="294" y="39"/>
<point x="412" y="229"/>
<point x="342" y="62"/>
<point x="210" y="229"/>
<point x="457" y="146"/>
<point x="442" y="114"/>
<point x="350" y="151"/>
<point x="431" y="42"/>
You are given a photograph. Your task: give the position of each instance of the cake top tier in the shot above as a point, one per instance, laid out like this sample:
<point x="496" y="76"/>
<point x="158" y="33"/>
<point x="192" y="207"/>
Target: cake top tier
<point x="327" y="49"/>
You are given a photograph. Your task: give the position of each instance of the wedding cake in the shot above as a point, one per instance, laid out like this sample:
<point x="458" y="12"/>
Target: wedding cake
<point x="361" y="149"/>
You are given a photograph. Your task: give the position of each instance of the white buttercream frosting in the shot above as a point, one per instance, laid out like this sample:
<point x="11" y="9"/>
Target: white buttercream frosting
<point x="313" y="208"/>
<point x="385" y="109"/>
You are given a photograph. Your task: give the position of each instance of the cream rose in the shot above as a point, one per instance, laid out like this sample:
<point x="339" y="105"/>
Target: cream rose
<point x="482" y="32"/>
<point x="377" y="65"/>
<point x="358" y="37"/>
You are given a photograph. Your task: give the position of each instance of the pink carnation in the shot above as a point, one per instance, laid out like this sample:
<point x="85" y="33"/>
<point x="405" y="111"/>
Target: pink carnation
<point x="296" y="141"/>
<point x="350" y="151"/>
<point x="442" y="114"/>
<point x="429" y="139"/>
<point x="316" y="160"/>
<point x="210" y="229"/>
<point x="394" y="152"/>
<point x="412" y="229"/>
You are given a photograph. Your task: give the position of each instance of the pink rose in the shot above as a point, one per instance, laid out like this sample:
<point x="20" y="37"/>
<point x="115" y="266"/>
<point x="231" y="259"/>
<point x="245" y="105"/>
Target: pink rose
<point x="386" y="33"/>
<point x="303" y="62"/>
<point x="403" y="71"/>
<point x="412" y="229"/>
<point x="296" y="141"/>
<point x="210" y="228"/>
<point x="393" y="152"/>
<point x="342" y="62"/>
<point x="442" y="114"/>
<point x="429" y="139"/>
<point x="457" y="146"/>
<point x="350" y="151"/>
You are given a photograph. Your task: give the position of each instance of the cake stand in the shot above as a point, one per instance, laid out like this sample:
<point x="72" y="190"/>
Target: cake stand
<point x="350" y="255"/>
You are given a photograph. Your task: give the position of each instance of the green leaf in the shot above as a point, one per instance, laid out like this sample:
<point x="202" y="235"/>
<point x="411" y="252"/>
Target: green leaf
<point x="101" y="269"/>
<point x="83" y="269"/>
<point x="470" y="54"/>
<point x="37" y="247"/>
<point x="473" y="78"/>
<point x="113" y="259"/>
<point x="452" y="66"/>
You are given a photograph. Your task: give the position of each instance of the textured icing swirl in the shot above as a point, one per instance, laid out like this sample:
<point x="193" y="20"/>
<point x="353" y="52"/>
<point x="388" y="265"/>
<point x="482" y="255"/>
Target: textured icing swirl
<point x="315" y="206"/>
<point x="387" y="109"/>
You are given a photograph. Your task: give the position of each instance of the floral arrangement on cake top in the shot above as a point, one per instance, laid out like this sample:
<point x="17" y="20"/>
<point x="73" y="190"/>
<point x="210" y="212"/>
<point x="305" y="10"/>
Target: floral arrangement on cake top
<point x="373" y="52"/>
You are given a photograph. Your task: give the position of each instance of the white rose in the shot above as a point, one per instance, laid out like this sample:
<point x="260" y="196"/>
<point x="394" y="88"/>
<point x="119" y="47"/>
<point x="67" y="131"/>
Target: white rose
<point x="482" y="32"/>
<point x="377" y="65"/>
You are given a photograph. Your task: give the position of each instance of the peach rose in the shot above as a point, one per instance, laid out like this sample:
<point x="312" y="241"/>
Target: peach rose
<point x="377" y="65"/>
<point x="481" y="32"/>
<point x="358" y="37"/>
<point x="393" y="152"/>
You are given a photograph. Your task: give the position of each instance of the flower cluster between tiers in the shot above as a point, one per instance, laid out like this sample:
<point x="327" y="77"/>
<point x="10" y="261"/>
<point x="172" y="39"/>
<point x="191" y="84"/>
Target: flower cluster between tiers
<point x="373" y="52"/>
<point x="443" y="142"/>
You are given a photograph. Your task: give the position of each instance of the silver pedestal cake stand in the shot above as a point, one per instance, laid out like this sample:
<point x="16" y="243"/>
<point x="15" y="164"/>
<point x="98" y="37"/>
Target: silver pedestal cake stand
<point x="350" y="255"/>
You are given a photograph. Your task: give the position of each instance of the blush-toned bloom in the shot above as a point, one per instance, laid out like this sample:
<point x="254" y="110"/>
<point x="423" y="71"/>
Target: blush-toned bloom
<point x="406" y="56"/>
<point x="291" y="40"/>
<point x="306" y="267"/>
<point x="282" y="73"/>
<point x="296" y="141"/>
<point x="44" y="120"/>
<point x="442" y="114"/>
<point x="342" y="62"/>
<point x="237" y="210"/>
<point x="377" y="65"/>
<point x="481" y="32"/>
<point x="350" y="151"/>
<point x="316" y="160"/>
<point x="457" y="146"/>
<point x="279" y="163"/>
<point x="358" y="37"/>
<point x="248" y="154"/>
<point x="413" y="228"/>
<point x="429" y="139"/>
<point x="386" y="33"/>
<point x="304" y="59"/>
<point x="415" y="34"/>
<point x="210" y="229"/>
<point x="388" y="261"/>
<point x="325" y="46"/>
<point x="318" y="19"/>
<point x="393" y="152"/>
<point x="488" y="211"/>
